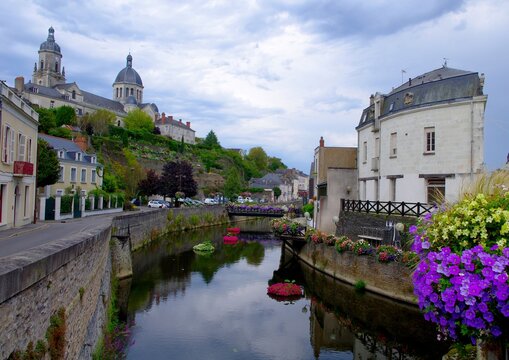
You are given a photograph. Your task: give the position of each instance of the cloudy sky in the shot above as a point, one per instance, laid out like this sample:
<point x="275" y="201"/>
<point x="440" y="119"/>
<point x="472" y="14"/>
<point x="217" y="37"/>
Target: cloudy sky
<point x="272" y="73"/>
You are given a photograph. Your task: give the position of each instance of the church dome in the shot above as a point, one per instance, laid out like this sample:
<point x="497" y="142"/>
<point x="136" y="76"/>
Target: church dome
<point x="50" y="44"/>
<point x="128" y="75"/>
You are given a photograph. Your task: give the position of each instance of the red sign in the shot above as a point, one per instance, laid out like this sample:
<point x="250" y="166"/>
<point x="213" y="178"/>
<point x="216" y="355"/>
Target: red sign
<point x="23" y="168"/>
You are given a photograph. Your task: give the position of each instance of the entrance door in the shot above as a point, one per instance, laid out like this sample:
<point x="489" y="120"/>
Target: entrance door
<point x="50" y="209"/>
<point x="16" y="198"/>
<point x="77" y="206"/>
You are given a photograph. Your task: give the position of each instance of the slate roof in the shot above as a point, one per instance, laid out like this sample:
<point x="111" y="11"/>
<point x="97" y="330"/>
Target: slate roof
<point x="128" y="75"/>
<point x="268" y="181"/>
<point x="68" y="146"/>
<point x="176" y="123"/>
<point x="444" y="85"/>
<point x="50" y="44"/>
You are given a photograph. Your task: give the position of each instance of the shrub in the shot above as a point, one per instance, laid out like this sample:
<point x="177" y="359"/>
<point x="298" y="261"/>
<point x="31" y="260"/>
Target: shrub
<point x="343" y="243"/>
<point x="360" y="286"/>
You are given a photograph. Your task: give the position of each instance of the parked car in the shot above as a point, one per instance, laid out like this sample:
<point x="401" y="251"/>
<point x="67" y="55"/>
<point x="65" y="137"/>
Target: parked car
<point x="156" y="204"/>
<point x="247" y="199"/>
<point x="210" y="201"/>
<point x="136" y="201"/>
<point x="240" y="199"/>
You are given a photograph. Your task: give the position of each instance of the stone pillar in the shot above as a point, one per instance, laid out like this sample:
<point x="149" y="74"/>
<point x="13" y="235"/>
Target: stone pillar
<point x="92" y="202"/>
<point x="83" y="197"/>
<point x="100" y="204"/>
<point x="42" y="207"/>
<point x="109" y="202"/>
<point x="58" y="203"/>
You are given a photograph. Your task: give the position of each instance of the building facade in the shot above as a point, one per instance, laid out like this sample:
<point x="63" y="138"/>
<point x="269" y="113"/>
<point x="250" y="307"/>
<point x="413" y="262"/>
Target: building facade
<point x="18" y="152"/>
<point x="78" y="169"/>
<point x="334" y="178"/>
<point x="174" y="129"/>
<point x="424" y="139"/>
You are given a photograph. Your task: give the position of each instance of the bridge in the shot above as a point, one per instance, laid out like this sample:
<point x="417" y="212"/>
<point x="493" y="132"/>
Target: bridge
<point x="259" y="210"/>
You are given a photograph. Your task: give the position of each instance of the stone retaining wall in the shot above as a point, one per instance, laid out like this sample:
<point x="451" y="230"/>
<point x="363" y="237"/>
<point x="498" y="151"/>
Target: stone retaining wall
<point x="148" y="225"/>
<point x="388" y="279"/>
<point x="73" y="274"/>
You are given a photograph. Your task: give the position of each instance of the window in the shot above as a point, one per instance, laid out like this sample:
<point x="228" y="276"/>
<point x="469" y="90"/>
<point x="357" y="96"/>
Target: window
<point x="394" y="145"/>
<point x="61" y="175"/>
<point x="436" y="190"/>
<point x="56" y="66"/>
<point x="29" y="150"/>
<point x="377" y="147"/>
<point x="391" y="106"/>
<point x="392" y="190"/>
<point x="92" y="160"/>
<point x="365" y="152"/>
<point x="117" y="91"/>
<point x="83" y="175"/>
<point x="74" y="94"/>
<point x="376" y="190"/>
<point x="2" y="197"/>
<point x="429" y="140"/>
<point x="126" y="92"/>
<point x="73" y="174"/>
<point x="93" y="176"/>
<point x="21" y="147"/>
<point x="60" y="154"/>
<point x="132" y="91"/>
<point x="78" y="157"/>
<point x="8" y="145"/>
<point x="42" y="64"/>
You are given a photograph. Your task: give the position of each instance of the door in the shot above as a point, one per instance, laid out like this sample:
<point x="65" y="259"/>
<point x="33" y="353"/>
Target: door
<point x="50" y="209"/>
<point x="77" y="206"/>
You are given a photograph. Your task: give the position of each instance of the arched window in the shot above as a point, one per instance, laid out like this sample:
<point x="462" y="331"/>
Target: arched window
<point x="132" y="91"/>
<point x="117" y="92"/>
<point x="126" y="92"/>
<point x="74" y="94"/>
<point x="42" y="64"/>
<point x="56" y="66"/>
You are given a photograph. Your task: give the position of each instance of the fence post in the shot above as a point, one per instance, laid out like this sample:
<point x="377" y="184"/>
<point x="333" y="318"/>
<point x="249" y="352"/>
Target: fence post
<point x="402" y="208"/>
<point x="42" y="207"/>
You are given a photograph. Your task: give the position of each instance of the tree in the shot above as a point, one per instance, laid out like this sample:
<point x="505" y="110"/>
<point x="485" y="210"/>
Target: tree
<point x="139" y="120"/>
<point x="47" y="119"/>
<point x="259" y="157"/>
<point x="65" y="115"/>
<point x="277" y="191"/>
<point x="211" y="140"/>
<point x="98" y="122"/>
<point x="151" y="185"/>
<point x="177" y="176"/>
<point x="233" y="184"/>
<point x="61" y="132"/>
<point x="48" y="166"/>
<point x="275" y="163"/>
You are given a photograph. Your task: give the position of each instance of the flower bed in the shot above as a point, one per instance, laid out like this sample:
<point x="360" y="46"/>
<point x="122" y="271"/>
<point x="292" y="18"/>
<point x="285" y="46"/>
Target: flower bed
<point x="205" y="246"/>
<point x="250" y="209"/>
<point x="461" y="281"/>
<point x="284" y="226"/>
<point x="285" y="291"/>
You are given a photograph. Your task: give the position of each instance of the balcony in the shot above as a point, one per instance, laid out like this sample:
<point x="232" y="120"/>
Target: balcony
<point x="23" y="168"/>
<point x="375" y="163"/>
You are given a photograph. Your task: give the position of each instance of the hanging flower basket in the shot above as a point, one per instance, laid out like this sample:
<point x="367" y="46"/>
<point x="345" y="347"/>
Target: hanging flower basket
<point x="234" y="230"/>
<point x="230" y="239"/>
<point x="286" y="291"/>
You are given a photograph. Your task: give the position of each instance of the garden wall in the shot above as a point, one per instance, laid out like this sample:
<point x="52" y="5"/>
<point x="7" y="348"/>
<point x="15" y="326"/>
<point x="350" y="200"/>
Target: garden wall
<point x="389" y="279"/>
<point x="148" y="225"/>
<point x="73" y="274"/>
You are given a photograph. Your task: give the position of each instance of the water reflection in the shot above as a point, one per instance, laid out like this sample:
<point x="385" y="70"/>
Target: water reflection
<point x="188" y="306"/>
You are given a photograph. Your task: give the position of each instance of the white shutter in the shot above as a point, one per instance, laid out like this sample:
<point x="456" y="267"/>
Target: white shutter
<point x="11" y="147"/>
<point x="5" y="138"/>
<point x="21" y="147"/>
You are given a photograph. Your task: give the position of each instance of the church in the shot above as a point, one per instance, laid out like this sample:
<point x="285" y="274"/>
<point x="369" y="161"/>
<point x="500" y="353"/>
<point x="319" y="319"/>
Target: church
<point x="49" y="89"/>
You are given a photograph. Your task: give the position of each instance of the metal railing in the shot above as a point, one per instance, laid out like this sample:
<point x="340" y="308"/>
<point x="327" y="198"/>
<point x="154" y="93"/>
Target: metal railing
<point x="387" y="207"/>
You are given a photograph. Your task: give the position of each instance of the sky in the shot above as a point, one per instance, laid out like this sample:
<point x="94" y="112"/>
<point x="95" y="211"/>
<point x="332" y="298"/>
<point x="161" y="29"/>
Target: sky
<point x="272" y="73"/>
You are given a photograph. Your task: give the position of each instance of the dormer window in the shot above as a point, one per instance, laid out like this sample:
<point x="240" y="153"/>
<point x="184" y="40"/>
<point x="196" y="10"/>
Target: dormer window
<point x="74" y="94"/>
<point x="60" y="154"/>
<point x="78" y="157"/>
<point x="92" y="160"/>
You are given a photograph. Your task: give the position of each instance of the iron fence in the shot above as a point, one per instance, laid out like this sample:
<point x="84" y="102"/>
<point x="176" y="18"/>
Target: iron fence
<point x="387" y="207"/>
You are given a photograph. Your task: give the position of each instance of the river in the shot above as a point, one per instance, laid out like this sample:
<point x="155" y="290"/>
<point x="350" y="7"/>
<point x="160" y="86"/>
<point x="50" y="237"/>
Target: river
<point x="183" y="305"/>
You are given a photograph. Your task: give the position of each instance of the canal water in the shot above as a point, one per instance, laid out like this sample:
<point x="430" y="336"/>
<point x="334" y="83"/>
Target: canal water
<point x="184" y="305"/>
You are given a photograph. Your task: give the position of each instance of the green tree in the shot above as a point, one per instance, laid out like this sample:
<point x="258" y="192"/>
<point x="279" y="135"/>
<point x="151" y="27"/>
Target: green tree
<point x="277" y="191"/>
<point x="233" y="183"/>
<point x="275" y="163"/>
<point x="48" y="166"/>
<point x="110" y="183"/>
<point x="139" y="120"/>
<point x="259" y="158"/>
<point x="61" y="132"/>
<point x="98" y="122"/>
<point x="65" y="115"/>
<point x="47" y="119"/>
<point x="211" y="140"/>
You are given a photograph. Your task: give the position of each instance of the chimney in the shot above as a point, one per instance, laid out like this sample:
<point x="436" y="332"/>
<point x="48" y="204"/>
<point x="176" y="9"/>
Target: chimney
<point x="322" y="143"/>
<point x="19" y="83"/>
<point x="409" y="81"/>
<point x="188" y="124"/>
<point x="163" y="118"/>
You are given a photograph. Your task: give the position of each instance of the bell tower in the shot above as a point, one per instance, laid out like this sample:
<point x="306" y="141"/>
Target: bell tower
<point x="49" y="70"/>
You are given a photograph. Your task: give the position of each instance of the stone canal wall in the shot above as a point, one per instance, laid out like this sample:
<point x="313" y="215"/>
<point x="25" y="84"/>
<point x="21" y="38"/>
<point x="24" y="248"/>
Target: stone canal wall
<point x="73" y="274"/>
<point x="148" y="225"/>
<point x="389" y="279"/>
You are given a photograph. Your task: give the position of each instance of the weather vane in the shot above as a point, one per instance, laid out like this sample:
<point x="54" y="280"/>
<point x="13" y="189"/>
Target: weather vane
<point x="445" y="62"/>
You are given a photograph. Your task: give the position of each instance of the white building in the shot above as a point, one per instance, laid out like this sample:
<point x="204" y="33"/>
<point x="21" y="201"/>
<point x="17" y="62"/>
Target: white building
<point x="175" y="130"/>
<point x="423" y="138"/>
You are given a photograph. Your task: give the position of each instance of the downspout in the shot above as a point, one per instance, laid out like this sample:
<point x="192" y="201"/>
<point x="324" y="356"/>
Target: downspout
<point x="471" y="138"/>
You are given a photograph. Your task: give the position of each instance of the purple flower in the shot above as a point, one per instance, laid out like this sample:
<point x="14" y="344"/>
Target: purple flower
<point x="412" y="229"/>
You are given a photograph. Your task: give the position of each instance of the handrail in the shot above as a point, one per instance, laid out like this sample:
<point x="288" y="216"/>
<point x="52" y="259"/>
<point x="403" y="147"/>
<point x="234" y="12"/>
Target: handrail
<point x="387" y="207"/>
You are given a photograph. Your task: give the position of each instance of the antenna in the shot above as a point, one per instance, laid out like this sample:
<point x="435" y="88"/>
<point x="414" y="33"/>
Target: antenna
<point x="445" y="62"/>
<point x="403" y="71"/>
